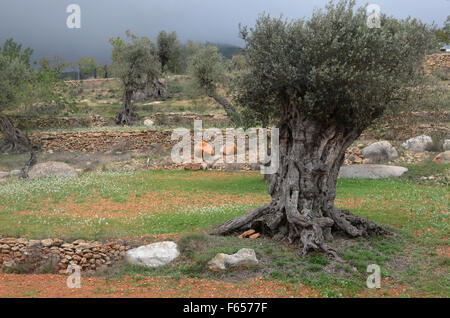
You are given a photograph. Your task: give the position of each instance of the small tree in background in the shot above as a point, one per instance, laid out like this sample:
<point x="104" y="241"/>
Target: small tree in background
<point x="207" y="71"/>
<point x="136" y="64"/>
<point x="27" y="92"/>
<point x="443" y="35"/>
<point x="168" y="51"/>
<point x="13" y="50"/>
<point x="85" y="65"/>
<point x="326" y="79"/>
<point x="56" y="63"/>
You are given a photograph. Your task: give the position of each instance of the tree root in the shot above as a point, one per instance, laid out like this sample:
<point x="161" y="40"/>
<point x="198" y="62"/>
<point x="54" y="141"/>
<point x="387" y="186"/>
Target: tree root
<point x="312" y="235"/>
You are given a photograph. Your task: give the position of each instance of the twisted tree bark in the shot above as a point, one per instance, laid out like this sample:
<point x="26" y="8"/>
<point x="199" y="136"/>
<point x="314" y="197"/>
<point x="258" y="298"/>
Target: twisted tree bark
<point x="14" y="140"/>
<point x="304" y="188"/>
<point x="127" y="116"/>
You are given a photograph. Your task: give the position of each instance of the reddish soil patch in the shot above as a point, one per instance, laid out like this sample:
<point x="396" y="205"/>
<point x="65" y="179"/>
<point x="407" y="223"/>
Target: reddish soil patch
<point x="150" y="203"/>
<point x="48" y="285"/>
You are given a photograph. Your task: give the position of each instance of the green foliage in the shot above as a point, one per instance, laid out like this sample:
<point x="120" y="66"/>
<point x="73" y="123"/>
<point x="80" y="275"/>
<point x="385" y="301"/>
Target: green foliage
<point x="207" y="70"/>
<point x="238" y="62"/>
<point x="443" y="35"/>
<point x="333" y="67"/>
<point x="56" y="63"/>
<point x="85" y="65"/>
<point x="29" y="91"/>
<point x="46" y="94"/>
<point x="169" y="51"/>
<point x="13" y="74"/>
<point x="135" y="62"/>
<point x="13" y="50"/>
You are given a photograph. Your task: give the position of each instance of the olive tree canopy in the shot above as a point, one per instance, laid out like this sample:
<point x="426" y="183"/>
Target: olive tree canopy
<point x="326" y="79"/>
<point x="136" y="64"/>
<point x="207" y="70"/>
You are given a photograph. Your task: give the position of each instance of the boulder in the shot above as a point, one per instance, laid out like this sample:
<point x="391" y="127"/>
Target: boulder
<point x="371" y="171"/>
<point x="443" y="157"/>
<point x="203" y="148"/>
<point x="446" y="144"/>
<point x="245" y="257"/>
<point x="51" y="168"/>
<point x="229" y="149"/>
<point x="380" y="151"/>
<point x="153" y="255"/>
<point x="4" y="174"/>
<point x="418" y="144"/>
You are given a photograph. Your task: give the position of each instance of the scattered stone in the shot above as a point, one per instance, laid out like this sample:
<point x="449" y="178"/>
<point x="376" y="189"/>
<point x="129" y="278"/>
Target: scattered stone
<point x="234" y="166"/>
<point x="381" y="151"/>
<point x="243" y="258"/>
<point x="47" y="242"/>
<point x="51" y="168"/>
<point x="418" y="144"/>
<point x="149" y="123"/>
<point x="13" y="173"/>
<point x="247" y="233"/>
<point x="446" y="144"/>
<point x="9" y="264"/>
<point x="193" y="166"/>
<point x="443" y="157"/>
<point x="371" y="171"/>
<point x="153" y="255"/>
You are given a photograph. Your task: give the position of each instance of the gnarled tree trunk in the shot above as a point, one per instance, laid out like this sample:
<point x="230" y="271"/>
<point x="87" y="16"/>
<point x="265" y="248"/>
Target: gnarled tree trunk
<point x="14" y="140"/>
<point x="227" y="106"/>
<point x="304" y="188"/>
<point x="159" y="89"/>
<point x="127" y="116"/>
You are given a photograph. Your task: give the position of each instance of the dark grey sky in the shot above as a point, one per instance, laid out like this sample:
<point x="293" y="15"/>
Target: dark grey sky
<point x="41" y="24"/>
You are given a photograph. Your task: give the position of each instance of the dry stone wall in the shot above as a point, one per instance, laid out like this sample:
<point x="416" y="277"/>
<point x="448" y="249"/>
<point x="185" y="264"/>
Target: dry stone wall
<point x="55" y="255"/>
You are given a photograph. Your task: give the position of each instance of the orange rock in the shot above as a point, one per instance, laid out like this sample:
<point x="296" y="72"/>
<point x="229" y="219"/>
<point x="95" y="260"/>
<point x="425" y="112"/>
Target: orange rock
<point x="254" y="236"/>
<point x="247" y="233"/>
<point x="229" y="149"/>
<point x="201" y="149"/>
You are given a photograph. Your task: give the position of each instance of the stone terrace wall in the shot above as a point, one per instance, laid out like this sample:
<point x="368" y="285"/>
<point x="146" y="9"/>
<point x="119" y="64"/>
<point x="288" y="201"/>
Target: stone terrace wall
<point x="440" y="61"/>
<point x="29" y="256"/>
<point x="102" y="141"/>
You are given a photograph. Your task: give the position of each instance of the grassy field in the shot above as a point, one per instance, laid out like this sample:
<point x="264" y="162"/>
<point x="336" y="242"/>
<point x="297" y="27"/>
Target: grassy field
<point x="183" y="206"/>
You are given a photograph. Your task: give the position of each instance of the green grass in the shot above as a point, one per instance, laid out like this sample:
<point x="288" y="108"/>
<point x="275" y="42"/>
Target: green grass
<point x="417" y="213"/>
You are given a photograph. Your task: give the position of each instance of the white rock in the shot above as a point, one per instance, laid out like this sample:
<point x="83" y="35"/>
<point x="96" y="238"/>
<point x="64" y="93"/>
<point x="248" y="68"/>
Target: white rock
<point x="370" y="171"/>
<point x="15" y="172"/>
<point x="243" y="258"/>
<point x="149" y="123"/>
<point x="446" y="144"/>
<point x="4" y="174"/>
<point x="418" y="144"/>
<point x="153" y="255"/>
<point x="51" y="168"/>
<point x="380" y="151"/>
